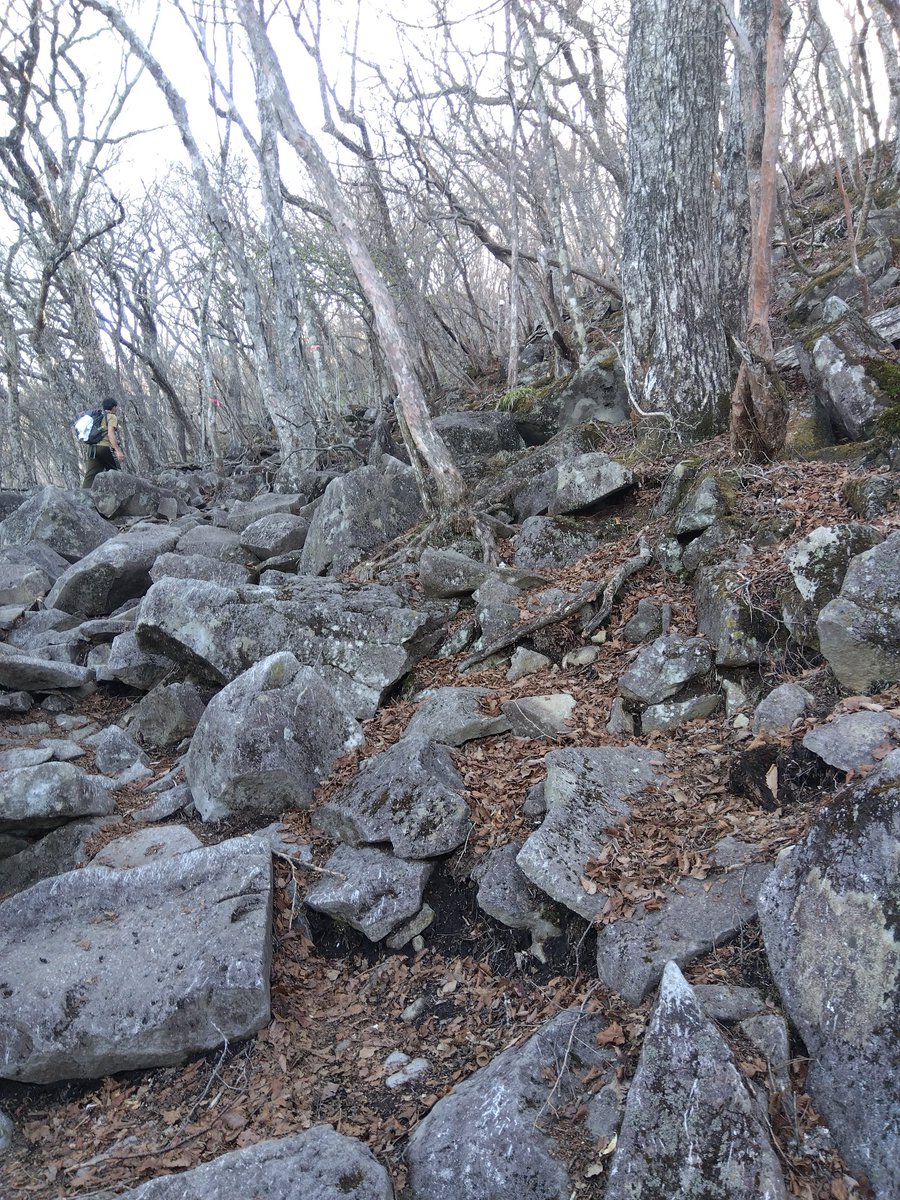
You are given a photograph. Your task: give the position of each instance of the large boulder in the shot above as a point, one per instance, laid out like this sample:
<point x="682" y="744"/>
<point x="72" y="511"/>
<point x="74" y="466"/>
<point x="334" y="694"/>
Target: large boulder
<point x="66" y="521"/>
<point x="108" y="970"/>
<point x="48" y="794"/>
<point x="854" y="741"/>
<point x="859" y="631"/>
<point x="553" y="542"/>
<point x="222" y="545"/>
<point x="242" y="513"/>
<point x="28" y="673"/>
<point x="372" y="891"/>
<point x="167" y="715"/>
<point x="692" y="1128"/>
<point x="410" y="796"/>
<point x="266" y="740"/>
<point x="130" y="664"/>
<point x="360" y="640"/>
<point x="845" y="368"/>
<point x="359" y="512"/>
<point x="829" y="921"/>
<point x="116" y="571"/>
<point x="478" y="434"/>
<point x="486" y="1138"/>
<point x="665" y="667"/>
<point x="454" y="715"/>
<point x="121" y="494"/>
<point x="737" y="630"/>
<point x="585" y="792"/>
<point x="576" y="485"/>
<point x="278" y="533"/>
<point x="320" y="1164"/>
<point x="818" y="564"/>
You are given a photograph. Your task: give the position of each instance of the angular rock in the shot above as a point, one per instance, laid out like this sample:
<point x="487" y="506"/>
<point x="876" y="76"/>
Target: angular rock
<point x="167" y="715"/>
<point x="526" y="662"/>
<point x="116" y="571"/>
<point x="22" y="585"/>
<point x="453" y="716"/>
<point x="49" y="794"/>
<point x="66" y="521"/>
<point x="146" y="846"/>
<point x="23" y="756"/>
<point x="672" y="713"/>
<point x="691" y="1127"/>
<point x="728" y="1004"/>
<point x="15" y="702"/>
<point x="722" y="539"/>
<point x="25" y="673"/>
<point x="818" y="564"/>
<point x="361" y="641"/>
<point x="130" y="664"/>
<point x="871" y="496"/>
<point x="58" y="851"/>
<point x="121" y="494"/>
<point x="496" y="608"/>
<point x="266" y="740"/>
<point x="664" y="668"/>
<point x="506" y="894"/>
<point x="183" y="965"/>
<point x="485" y="1139"/>
<point x="709" y="498"/>
<point x="737" y="631"/>
<point x="647" y="622"/>
<point x="372" y="891"/>
<point x="320" y="1164"/>
<point x="841" y="367"/>
<point x="446" y="573"/>
<point x="410" y="796"/>
<point x="198" y="566"/>
<point x="359" y="512"/>
<point x="585" y="792"/>
<point x="768" y="1032"/>
<point x="829" y="922"/>
<point x="850" y="741"/>
<point x="115" y="750"/>
<point x="540" y="716"/>
<point x="223" y="545"/>
<point x="243" y="513"/>
<point x="552" y="542"/>
<point x="279" y="533"/>
<point x="859" y="631"/>
<point x="478" y="434"/>
<point x="695" y="916"/>
<point x="576" y="485"/>
<point x="781" y="708"/>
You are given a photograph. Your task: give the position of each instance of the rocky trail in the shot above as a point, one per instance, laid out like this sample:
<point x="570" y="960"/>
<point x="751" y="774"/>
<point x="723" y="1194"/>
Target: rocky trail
<point x="274" y="862"/>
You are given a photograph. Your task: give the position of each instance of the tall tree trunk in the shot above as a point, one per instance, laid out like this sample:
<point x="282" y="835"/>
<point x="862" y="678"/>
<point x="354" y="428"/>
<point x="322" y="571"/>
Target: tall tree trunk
<point x="397" y="351"/>
<point x="675" y="353"/>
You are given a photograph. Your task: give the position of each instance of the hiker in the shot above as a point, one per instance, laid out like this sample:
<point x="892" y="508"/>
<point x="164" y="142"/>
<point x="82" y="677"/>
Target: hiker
<point x="107" y="454"/>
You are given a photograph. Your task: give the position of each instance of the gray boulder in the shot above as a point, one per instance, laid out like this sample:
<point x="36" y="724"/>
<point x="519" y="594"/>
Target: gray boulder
<point x="540" y="716"/>
<point x="478" y="434"/>
<point x="828" y="917"/>
<point x="453" y="716"/>
<point x="585" y="792"/>
<point x="672" y="713"/>
<point x="506" y="894"/>
<point x="818" y="564"/>
<point x="320" y="1164"/>
<point x="665" y="667"/>
<point x="66" y="521"/>
<point x="359" y="512"/>
<point x="496" y="608"/>
<point x="486" y="1138"/>
<point x="783" y="706"/>
<point x="146" y="846"/>
<point x="695" y="916"/>
<point x="167" y="715"/>
<point x="647" y="622"/>
<point x="553" y="542"/>
<point x="446" y="573"/>
<point x="22" y="585"/>
<point x="266" y="740"/>
<point x="737" y="630"/>
<point x="35" y="554"/>
<point x="181" y="966"/>
<point x="410" y="796"/>
<point x="526" y="662"/>
<point x="223" y="545"/>
<point x="859" y="631"/>
<point x="49" y="794"/>
<point x="841" y="366"/>
<point x="707" y="500"/>
<point x="58" y="851"/>
<point x="26" y="673"/>
<point x="596" y="391"/>
<point x="279" y="533"/>
<point x="691" y="1127"/>
<point x="121" y="494"/>
<point x="372" y="891"/>
<point x="130" y="664"/>
<point x="360" y="640"/>
<point x="575" y="485"/>
<point x="116" y="571"/>
<point x="243" y="513"/>
<point x="115" y="750"/>
<point x="850" y="741"/>
<point x="198" y="566"/>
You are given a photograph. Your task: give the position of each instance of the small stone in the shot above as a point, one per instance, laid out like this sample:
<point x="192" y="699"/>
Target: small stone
<point x="582" y="657"/>
<point x="412" y="1070"/>
<point x="741" y="721"/>
<point x="526" y="662"/>
<point x="413" y="1010"/>
<point x="411" y="929"/>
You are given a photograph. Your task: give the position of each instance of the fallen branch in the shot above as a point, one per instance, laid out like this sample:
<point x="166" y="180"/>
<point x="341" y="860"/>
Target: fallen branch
<point x="608" y="589"/>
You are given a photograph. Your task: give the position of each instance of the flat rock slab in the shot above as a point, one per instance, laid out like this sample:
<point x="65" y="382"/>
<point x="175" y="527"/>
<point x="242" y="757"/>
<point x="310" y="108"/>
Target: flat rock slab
<point x="147" y="846"/>
<point x="487" y="1139"/>
<point x="672" y="713"/>
<point x="691" y="1127"/>
<point x="695" y="916"/>
<point x="198" y="566"/>
<point x="508" y="895"/>
<point x="665" y="667"/>
<point x="452" y="716"/>
<point x="781" y="708"/>
<point x="29" y="673"/>
<point x="371" y="890"/>
<point x="540" y="716"/>
<point x="58" y="851"/>
<point x="320" y="1164"/>
<point x="106" y="970"/>
<point x="829" y="922"/>
<point x="585" y="792"/>
<point x="49" y="794"/>
<point x="851" y="739"/>
<point x="410" y="796"/>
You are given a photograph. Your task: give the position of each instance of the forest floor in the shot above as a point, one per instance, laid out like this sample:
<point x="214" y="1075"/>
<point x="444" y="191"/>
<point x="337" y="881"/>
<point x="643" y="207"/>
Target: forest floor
<point x="338" y="1002"/>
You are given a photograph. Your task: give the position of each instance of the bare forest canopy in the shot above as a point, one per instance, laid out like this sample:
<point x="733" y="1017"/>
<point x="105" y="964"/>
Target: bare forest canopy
<point x="249" y="221"/>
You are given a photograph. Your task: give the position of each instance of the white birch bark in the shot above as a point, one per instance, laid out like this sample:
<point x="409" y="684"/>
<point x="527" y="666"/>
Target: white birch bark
<point x="675" y="353"/>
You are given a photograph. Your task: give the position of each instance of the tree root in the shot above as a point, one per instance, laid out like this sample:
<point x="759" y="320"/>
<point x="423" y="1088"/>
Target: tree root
<point x="608" y="589"/>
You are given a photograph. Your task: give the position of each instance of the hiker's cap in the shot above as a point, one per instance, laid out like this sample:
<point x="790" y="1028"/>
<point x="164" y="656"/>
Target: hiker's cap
<point x="109" y="405"/>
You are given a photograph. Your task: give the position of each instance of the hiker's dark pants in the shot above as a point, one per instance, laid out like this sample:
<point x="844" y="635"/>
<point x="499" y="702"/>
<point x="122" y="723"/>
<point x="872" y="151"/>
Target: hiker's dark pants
<point x="99" y="458"/>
